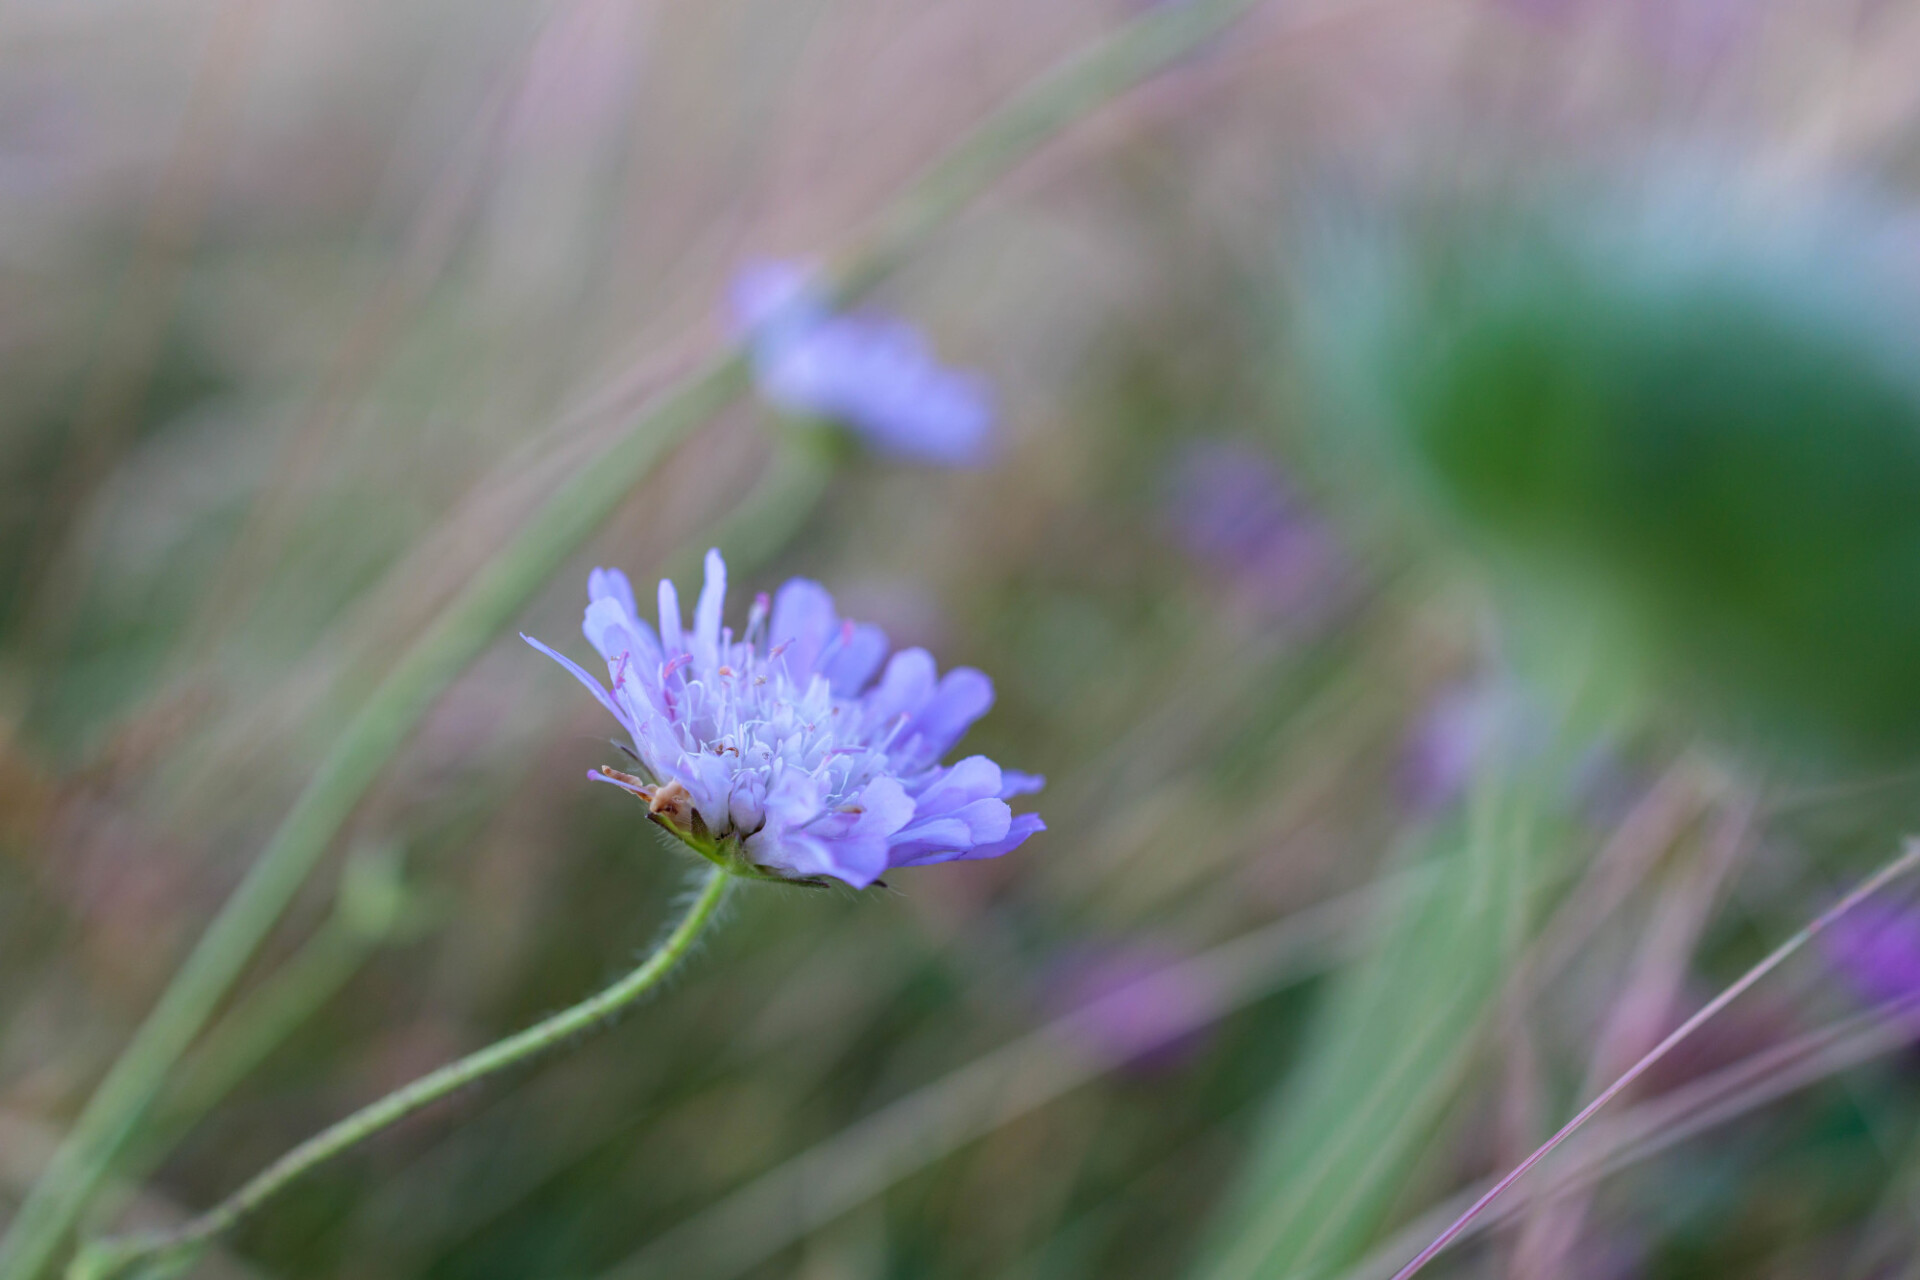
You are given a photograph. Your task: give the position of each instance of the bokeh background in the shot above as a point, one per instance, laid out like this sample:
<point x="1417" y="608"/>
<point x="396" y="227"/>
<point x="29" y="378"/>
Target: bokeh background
<point x="1452" y="544"/>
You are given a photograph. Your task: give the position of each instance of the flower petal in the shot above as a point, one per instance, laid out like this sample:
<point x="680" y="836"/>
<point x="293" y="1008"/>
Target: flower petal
<point x="579" y="673"/>
<point x="974" y="778"/>
<point x="851" y="663"/>
<point x="710" y="783"/>
<point x="672" y="643"/>
<point x="612" y="631"/>
<point x="803" y="620"/>
<point x="706" y="614"/>
<point x="1022" y="826"/>
<point x="904" y="688"/>
<point x="923" y="855"/>
<point x="611" y="584"/>
<point x="1019" y="784"/>
<point x="964" y="696"/>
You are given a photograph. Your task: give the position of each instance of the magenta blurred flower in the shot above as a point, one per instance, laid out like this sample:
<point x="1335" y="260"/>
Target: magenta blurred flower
<point x="1231" y="509"/>
<point x="1133" y="1004"/>
<point x="871" y="373"/>
<point x="1876" y="949"/>
<point x="779" y="755"/>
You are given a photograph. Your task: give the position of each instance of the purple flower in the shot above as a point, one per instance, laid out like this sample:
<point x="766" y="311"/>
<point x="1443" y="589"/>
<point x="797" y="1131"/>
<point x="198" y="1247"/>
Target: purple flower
<point x="1876" y="948"/>
<point x="779" y="755"/>
<point x="1135" y="1004"/>
<point x="871" y="373"/>
<point x="1232" y="509"/>
<point x="1447" y="744"/>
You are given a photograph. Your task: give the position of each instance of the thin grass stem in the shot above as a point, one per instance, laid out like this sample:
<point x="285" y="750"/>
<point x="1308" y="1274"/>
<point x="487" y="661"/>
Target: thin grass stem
<point x="502" y="587"/>
<point x="1879" y="880"/>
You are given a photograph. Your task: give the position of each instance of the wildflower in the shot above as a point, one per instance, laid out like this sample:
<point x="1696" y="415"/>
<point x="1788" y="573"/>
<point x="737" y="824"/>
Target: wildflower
<point x="779" y="755"/>
<point x="1233" y="511"/>
<point x="1136" y="1004"/>
<point x="873" y="374"/>
<point x="1448" y="743"/>
<point x="1876" y="949"/>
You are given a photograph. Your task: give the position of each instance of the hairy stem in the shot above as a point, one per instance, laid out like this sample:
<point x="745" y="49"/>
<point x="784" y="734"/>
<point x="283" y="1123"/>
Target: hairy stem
<point x="166" y="1251"/>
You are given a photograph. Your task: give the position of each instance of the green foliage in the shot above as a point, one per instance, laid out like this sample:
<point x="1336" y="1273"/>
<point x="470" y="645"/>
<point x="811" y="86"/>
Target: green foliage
<point x="1389" y="1053"/>
<point x="1717" y="448"/>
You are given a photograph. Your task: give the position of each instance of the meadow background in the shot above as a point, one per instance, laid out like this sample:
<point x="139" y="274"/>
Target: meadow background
<point x="1348" y="897"/>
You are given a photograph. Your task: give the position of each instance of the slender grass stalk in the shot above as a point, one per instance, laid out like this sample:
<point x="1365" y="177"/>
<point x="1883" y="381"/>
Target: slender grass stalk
<point x="1893" y="870"/>
<point x="357" y="758"/>
<point x="1663" y="1122"/>
<point x="498" y="591"/>
<point x="371" y="910"/>
<point x="1395" y="1039"/>
<point x="166" y="1251"/>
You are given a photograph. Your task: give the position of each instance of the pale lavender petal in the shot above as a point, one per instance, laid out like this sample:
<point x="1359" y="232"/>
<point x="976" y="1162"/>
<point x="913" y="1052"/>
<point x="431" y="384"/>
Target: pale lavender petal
<point x="971" y="779"/>
<point x="706" y="614"/>
<point x="612" y="631"/>
<point x="1019" y="784"/>
<point x="803" y="620"/>
<point x="987" y="820"/>
<point x="710" y="783"/>
<point x="964" y="696"/>
<point x="984" y="823"/>
<point x="1019" y="830"/>
<point x="905" y="687"/>
<point x="882" y="808"/>
<point x="795" y="798"/>
<point x="579" y="673"/>
<point x="946" y="833"/>
<point x="981" y="822"/>
<point x="857" y="859"/>
<point x="885" y="807"/>
<point x="853" y="663"/>
<point x="611" y="584"/>
<point x="671" y="641"/>
<point x="793" y="853"/>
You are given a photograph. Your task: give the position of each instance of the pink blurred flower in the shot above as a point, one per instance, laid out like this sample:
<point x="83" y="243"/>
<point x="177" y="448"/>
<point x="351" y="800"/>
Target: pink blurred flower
<point x="1132" y="1004"/>
<point x="1232" y="510"/>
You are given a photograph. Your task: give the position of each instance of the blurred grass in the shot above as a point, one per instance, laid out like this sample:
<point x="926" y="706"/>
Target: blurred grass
<point x="555" y="206"/>
<point x="1343" y="1138"/>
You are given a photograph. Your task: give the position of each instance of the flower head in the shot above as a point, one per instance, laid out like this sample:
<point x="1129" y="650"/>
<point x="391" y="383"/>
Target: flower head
<point x="872" y="373"/>
<point x="1133" y="1003"/>
<point x="1876" y="948"/>
<point x="779" y="754"/>
<point x="1232" y="510"/>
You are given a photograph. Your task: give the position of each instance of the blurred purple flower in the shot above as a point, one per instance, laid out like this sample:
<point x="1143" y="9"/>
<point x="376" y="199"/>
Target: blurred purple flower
<point x="1446" y="745"/>
<point x="779" y="754"/>
<point x="1876" y="949"/>
<point x="1690" y="36"/>
<point x="872" y="373"/>
<point x="1232" y="509"/>
<point x="1133" y="1004"/>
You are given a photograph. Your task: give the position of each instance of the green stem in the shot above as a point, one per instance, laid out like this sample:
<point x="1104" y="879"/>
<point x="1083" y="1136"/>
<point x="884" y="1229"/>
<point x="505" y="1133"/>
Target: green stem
<point x="358" y="757"/>
<point x="370" y="911"/>
<point x="503" y="586"/>
<point x="166" y="1251"/>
